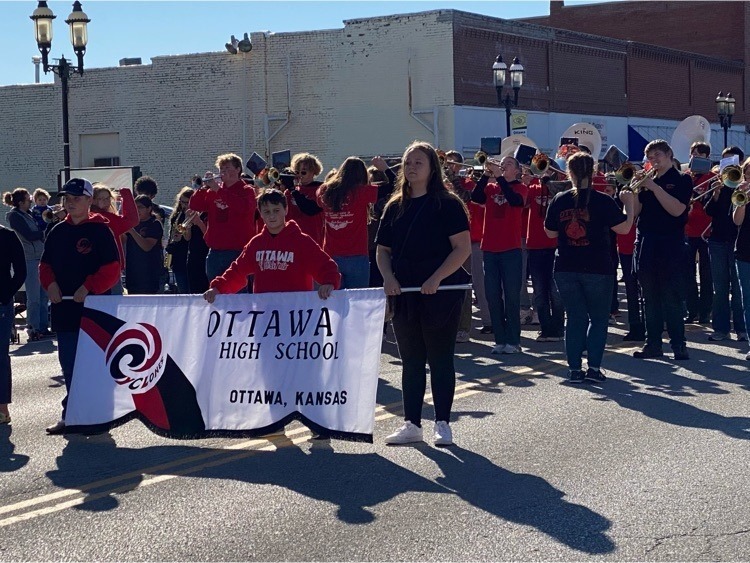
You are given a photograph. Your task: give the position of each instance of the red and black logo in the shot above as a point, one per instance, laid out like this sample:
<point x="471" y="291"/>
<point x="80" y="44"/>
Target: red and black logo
<point x="83" y="246"/>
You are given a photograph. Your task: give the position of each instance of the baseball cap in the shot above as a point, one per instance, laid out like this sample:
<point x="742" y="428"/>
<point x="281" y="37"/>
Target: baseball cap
<point x="78" y="186"/>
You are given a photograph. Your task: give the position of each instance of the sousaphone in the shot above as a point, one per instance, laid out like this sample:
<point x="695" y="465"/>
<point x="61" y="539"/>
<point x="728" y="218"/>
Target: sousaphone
<point x="690" y="130"/>
<point x="588" y="136"/>
<point x="510" y="144"/>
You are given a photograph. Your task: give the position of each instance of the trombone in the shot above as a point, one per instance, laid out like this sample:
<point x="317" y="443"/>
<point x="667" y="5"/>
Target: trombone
<point x="740" y="197"/>
<point x="634" y="185"/>
<point x="731" y="177"/>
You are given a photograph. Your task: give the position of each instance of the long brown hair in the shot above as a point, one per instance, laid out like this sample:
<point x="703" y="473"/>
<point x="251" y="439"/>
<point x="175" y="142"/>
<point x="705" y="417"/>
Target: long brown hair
<point x="14" y="198"/>
<point x="435" y="185"/>
<point x="581" y="168"/>
<point x="348" y="176"/>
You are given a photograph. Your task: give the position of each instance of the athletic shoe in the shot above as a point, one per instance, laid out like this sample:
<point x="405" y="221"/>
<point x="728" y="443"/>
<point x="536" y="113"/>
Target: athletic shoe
<point x="681" y="353"/>
<point x="555" y="338"/>
<point x="634" y="337"/>
<point x="462" y="336"/>
<point x="648" y="352"/>
<point x="741" y="337"/>
<point x="57" y="428"/>
<point x="717" y="336"/>
<point x="542" y="338"/>
<point x="498" y="349"/>
<point x="512" y="349"/>
<point x="576" y="376"/>
<point x="486" y="329"/>
<point x="407" y="434"/>
<point x="443" y="433"/>
<point x="595" y="375"/>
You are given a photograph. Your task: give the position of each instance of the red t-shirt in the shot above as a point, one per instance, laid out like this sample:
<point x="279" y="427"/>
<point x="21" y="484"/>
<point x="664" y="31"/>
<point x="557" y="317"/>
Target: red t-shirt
<point x="231" y="215"/>
<point x="121" y="224"/>
<point x="313" y="225"/>
<point x="599" y="182"/>
<point x="538" y="199"/>
<point x="698" y="219"/>
<point x="626" y="243"/>
<point x="502" y="222"/>
<point x="346" y="230"/>
<point x="289" y="261"/>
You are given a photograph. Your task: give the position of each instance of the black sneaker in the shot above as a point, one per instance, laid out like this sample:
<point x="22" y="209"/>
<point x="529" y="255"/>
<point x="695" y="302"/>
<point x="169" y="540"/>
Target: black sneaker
<point x="647" y="352"/>
<point x="634" y="337"/>
<point x="486" y="329"/>
<point x="681" y="353"/>
<point x="576" y="376"/>
<point x="596" y="375"/>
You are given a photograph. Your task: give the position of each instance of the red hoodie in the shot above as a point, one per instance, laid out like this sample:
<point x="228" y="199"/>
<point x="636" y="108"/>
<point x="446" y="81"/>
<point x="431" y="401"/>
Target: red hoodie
<point x="121" y="224"/>
<point x="231" y="215"/>
<point x="288" y="261"/>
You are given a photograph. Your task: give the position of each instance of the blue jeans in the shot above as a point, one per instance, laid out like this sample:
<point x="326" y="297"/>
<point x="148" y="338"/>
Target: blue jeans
<point x="67" y="342"/>
<point x="217" y="262"/>
<point x="724" y="275"/>
<point x="547" y="301"/>
<point x="7" y="316"/>
<point x="37" y="303"/>
<point x="743" y="273"/>
<point x="587" y="299"/>
<point x="355" y="271"/>
<point x="502" y="285"/>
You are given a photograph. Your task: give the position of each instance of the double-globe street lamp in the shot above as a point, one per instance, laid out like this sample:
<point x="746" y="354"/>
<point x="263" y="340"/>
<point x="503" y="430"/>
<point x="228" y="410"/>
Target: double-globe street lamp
<point x="77" y="21"/>
<point x="499" y="71"/>
<point x="725" y="110"/>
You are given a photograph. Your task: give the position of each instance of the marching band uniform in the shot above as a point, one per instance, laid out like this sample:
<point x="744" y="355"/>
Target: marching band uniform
<point x="699" y="302"/>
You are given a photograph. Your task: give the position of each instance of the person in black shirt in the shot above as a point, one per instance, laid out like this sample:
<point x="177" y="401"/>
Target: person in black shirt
<point x="12" y="275"/>
<point x="661" y="252"/>
<point x="80" y="257"/>
<point x="723" y="270"/>
<point x="143" y="251"/>
<point x="422" y="240"/>
<point x="582" y="220"/>
<point x="179" y="241"/>
<point x="742" y="246"/>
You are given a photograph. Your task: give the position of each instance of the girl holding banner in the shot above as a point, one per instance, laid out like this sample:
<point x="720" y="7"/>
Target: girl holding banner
<point x="423" y="240"/>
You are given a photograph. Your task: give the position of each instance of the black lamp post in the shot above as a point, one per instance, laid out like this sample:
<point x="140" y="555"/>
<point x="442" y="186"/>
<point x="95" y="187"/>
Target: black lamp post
<point x="499" y="70"/>
<point x="725" y="110"/>
<point x="77" y="20"/>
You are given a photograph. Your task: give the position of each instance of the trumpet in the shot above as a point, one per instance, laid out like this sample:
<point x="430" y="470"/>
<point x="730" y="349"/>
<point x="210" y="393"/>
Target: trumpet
<point x="739" y="197"/>
<point x="213" y="176"/>
<point x="481" y="158"/>
<point x="268" y="176"/>
<point x="185" y="225"/>
<point x="635" y="186"/>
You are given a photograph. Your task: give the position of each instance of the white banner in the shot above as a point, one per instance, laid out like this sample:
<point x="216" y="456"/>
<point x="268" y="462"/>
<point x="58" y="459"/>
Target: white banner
<point x="245" y="364"/>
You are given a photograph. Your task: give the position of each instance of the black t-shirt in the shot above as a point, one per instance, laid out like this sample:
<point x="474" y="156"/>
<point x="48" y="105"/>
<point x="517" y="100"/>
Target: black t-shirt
<point x="144" y="268"/>
<point x="419" y="237"/>
<point x="583" y="233"/>
<point x="75" y="252"/>
<point x="653" y="218"/>
<point x="742" y="246"/>
<point x="720" y="210"/>
<point x="12" y="265"/>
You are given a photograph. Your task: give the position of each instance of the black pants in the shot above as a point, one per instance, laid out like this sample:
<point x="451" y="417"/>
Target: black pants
<point x="632" y="295"/>
<point x="699" y="302"/>
<point x="425" y="328"/>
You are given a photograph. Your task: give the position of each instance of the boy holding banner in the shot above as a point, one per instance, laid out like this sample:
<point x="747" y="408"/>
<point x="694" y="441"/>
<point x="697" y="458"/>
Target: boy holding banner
<point x="281" y="257"/>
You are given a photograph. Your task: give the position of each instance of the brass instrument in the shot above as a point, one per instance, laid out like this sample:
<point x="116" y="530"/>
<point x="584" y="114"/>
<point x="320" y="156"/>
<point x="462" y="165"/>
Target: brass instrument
<point x="635" y="186"/>
<point x="624" y="175"/>
<point x="731" y="177"/>
<point x="739" y="197"/>
<point x="214" y="176"/>
<point x="185" y="225"/>
<point x="268" y="176"/>
<point x="481" y="158"/>
<point x="441" y="157"/>
<point x="541" y="163"/>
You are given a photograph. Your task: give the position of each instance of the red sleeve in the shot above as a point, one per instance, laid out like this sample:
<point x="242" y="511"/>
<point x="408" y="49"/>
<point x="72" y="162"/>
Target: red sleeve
<point x="103" y="279"/>
<point x="324" y="269"/>
<point x="129" y="210"/>
<point x="200" y="199"/>
<point x="46" y="275"/>
<point x="372" y="193"/>
<point x="235" y="277"/>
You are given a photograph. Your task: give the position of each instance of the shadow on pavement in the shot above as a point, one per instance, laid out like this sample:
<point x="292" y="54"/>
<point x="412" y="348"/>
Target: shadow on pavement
<point x="9" y="460"/>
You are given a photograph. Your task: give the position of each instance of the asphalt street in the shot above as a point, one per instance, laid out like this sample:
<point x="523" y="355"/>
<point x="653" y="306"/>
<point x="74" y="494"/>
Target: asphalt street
<point x="652" y="464"/>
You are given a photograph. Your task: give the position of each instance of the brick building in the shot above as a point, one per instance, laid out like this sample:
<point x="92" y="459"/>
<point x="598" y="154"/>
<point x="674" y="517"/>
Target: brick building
<point x="368" y="88"/>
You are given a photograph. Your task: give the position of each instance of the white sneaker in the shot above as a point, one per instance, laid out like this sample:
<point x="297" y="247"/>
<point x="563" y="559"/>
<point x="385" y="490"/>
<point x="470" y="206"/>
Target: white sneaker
<point x="443" y="434"/>
<point x="462" y="336"/>
<point x="407" y="434"/>
<point x="512" y="349"/>
<point x="498" y="349"/>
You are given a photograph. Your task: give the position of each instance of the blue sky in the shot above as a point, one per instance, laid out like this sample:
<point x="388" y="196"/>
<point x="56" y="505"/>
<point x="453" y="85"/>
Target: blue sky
<point x="147" y="29"/>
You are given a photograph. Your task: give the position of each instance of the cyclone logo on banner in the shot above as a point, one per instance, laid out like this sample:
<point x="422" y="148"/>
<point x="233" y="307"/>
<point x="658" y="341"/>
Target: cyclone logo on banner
<point x="134" y="357"/>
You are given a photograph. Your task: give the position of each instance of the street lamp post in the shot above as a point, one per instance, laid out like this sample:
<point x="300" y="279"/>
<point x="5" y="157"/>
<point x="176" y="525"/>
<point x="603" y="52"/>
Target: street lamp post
<point x="77" y="21"/>
<point x="499" y="70"/>
<point x="725" y="110"/>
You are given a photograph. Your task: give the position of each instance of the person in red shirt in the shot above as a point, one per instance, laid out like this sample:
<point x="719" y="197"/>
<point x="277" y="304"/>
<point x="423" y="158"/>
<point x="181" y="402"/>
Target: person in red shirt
<point x="281" y="257"/>
<point x="119" y="222"/>
<point x="346" y="199"/>
<point x="231" y="211"/>
<point x="625" y="248"/>
<point x="699" y="303"/>
<point x="541" y="249"/>
<point x="501" y="243"/>
<point x="306" y="167"/>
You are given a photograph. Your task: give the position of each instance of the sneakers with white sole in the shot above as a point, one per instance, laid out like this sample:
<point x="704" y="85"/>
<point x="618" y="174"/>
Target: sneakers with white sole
<point x="512" y="349"/>
<point x="443" y="434"/>
<point x="498" y="349"/>
<point x="407" y="434"/>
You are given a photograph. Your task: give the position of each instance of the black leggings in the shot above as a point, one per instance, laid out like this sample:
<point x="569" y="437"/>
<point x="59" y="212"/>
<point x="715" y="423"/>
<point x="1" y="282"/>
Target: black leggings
<point x="425" y="328"/>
